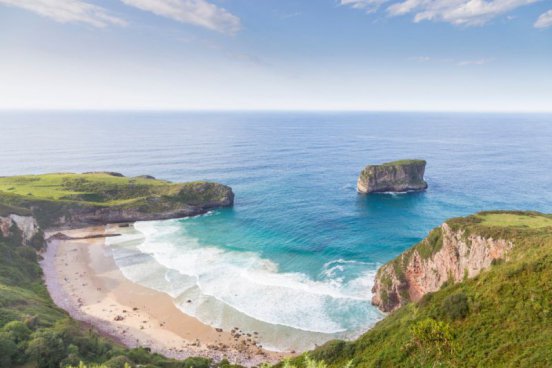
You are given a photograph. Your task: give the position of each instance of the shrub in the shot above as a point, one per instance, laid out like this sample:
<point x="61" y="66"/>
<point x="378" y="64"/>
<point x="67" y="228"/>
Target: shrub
<point x="17" y="331"/>
<point x="7" y="350"/>
<point x="46" y="348"/>
<point x="120" y="361"/>
<point x="432" y="338"/>
<point x="196" y="362"/>
<point x="455" y="306"/>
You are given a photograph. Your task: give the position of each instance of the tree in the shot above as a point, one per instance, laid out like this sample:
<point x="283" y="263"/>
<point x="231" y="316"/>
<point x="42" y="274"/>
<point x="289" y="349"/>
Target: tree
<point x="46" y="348"/>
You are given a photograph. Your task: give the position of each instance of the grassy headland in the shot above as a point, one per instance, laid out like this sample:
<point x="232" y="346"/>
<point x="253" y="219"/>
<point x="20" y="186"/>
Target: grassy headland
<point x="65" y="198"/>
<point x="500" y="318"/>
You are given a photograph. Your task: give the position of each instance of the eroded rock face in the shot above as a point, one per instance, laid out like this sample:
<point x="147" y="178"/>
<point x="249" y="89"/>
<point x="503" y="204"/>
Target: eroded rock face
<point x="446" y="256"/>
<point x="193" y="199"/>
<point x="397" y="176"/>
<point x="26" y="225"/>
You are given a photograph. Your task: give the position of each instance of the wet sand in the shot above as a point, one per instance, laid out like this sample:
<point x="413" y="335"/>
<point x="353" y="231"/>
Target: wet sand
<point x="83" y="279"/>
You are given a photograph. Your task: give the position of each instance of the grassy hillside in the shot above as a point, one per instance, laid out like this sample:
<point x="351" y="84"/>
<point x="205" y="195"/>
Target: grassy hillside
<point x="501" y="318"/>
<point x="50" y="196"/>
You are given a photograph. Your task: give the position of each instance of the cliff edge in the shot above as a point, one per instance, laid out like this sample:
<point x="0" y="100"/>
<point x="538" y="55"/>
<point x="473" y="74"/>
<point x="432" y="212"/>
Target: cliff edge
<point x="396" y="176"/>
<point x="457" y="250"/>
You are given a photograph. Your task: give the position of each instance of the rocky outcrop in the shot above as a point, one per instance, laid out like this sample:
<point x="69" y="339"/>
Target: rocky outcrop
<point x="192" y="199"/>
<point x="444" y="256"/>
<point x="25" y="226"/>
<point x="396" y="176"/>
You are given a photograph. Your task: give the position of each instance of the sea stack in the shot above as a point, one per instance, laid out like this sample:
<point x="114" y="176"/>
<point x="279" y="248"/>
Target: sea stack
<point x="396" y="176"/>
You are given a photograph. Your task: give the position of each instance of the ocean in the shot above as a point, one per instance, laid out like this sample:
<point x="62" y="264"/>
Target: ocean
<point x="295" y="258"/>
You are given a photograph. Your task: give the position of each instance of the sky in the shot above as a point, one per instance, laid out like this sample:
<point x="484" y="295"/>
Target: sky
<point x="377" y="55"/>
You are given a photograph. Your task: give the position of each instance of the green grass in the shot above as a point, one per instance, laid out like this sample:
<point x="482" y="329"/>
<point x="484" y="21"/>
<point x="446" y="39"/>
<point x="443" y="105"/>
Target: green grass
<point x="404" y="162"/>
<point x="93" y="188"/>
<point x="52" y="196"/>
<point x="515" y="220"/>
<point x="501" y="318"/>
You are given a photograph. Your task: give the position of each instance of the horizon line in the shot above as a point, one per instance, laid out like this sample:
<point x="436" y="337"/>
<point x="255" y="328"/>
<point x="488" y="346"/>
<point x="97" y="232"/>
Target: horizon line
<point x="260" y="110"/>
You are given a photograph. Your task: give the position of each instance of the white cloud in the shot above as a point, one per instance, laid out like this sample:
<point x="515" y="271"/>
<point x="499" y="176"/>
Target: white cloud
<point x="68" y="11"/>
<point x="367" y="5"/>
<point x="198" y="12"/>
<point x="420" y="59"/>
<point x="545" y="20"/>
<point x="458" y="12"/>
<point x="474" y="62"/>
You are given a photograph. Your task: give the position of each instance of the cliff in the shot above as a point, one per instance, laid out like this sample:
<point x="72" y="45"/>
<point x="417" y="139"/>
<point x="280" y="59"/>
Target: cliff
<point x="499" y="316"/>
<point x="72" y="200"/>
<point x="396" y="176"/>
<point x="457" y="250"/>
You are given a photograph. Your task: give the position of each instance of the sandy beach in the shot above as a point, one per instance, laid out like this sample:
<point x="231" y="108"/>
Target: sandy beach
<point x="83" y="279"/>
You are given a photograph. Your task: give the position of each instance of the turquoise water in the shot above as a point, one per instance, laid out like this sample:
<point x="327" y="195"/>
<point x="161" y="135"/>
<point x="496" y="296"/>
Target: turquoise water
<point x="295" y="258"/>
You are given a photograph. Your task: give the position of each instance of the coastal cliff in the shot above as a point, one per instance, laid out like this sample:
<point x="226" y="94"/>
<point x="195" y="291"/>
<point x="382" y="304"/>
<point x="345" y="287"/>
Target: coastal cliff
<point x="74" y="200"/>
<point x="494" y="312"/>
<point x="449" y="254"/>
<point x="396" y="176"/>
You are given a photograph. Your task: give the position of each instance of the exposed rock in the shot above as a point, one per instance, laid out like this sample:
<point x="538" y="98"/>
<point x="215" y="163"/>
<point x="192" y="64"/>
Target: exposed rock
<point x="396" y="176"/>
<point x="444" y="256"/>
<point x="26" y="225"/>
<point x="193" y="199"/>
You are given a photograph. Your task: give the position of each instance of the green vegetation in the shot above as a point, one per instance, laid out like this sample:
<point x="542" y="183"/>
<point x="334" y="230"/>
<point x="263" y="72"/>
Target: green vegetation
<point x="519" y="219"/>
<point x="105" y="189"/>
<point x="35" y="333"/>
<point x="501" y="318"/>
<point x="51" y="196"/>
<point x="404" y="162"/>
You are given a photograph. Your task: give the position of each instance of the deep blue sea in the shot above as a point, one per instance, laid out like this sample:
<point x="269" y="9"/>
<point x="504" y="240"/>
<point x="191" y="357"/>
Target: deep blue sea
<point x="295" y="257"/>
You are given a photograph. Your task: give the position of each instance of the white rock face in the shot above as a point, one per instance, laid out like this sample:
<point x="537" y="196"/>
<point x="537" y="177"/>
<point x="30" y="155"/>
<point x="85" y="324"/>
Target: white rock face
<point x="27" y="224"/>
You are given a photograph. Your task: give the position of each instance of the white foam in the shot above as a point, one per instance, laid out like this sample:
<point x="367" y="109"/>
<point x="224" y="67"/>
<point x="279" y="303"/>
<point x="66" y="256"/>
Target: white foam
<point x="224" y="283"/>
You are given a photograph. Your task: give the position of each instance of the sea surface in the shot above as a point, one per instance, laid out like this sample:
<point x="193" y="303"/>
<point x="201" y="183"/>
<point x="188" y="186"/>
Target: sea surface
<point x="295" y="258"/>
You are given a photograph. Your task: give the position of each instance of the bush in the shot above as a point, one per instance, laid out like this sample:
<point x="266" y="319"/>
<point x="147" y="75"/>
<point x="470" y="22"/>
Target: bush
<point x="7" y="350"/>
<point x="120" y="361"/>
<point x="456" y="306"/>
<point x="197" y="362"/>
<point x="46" y="348"/>
<point x="17" y="331"/>
<point x="432" y="338"/>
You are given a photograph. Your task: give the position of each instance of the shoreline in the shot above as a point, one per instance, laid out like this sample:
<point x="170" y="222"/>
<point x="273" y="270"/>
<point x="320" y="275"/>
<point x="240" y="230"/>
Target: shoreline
<point x="83" y="279"/>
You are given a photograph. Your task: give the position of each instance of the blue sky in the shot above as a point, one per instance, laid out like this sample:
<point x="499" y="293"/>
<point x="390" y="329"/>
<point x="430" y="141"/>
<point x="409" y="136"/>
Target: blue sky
<point x="436" y="55"/>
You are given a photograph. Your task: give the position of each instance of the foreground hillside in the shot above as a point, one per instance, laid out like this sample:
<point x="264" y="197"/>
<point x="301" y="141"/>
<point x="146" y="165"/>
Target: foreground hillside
<point x="500" y="318"/>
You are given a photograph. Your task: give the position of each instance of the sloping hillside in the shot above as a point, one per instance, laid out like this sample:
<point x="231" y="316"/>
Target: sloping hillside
<point x="501" y="317"/>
